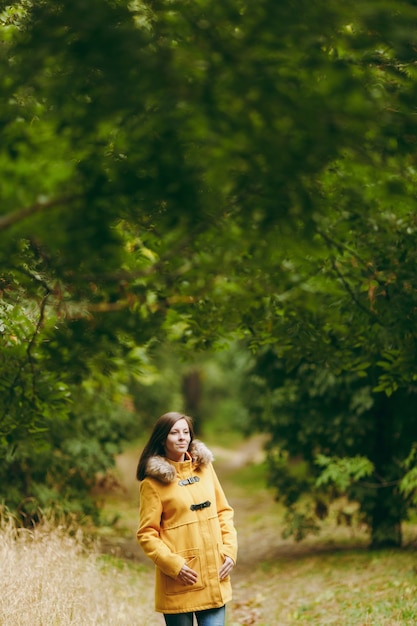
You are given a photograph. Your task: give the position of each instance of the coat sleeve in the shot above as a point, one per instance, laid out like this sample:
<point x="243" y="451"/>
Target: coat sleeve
<point x="148" y="533"/>
<point x="225" y="514"/>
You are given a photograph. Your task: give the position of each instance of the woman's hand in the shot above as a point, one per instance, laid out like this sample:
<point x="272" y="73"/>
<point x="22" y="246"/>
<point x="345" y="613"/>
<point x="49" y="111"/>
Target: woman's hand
<point x="187" y="576"/>
<point x="226" y="568"/>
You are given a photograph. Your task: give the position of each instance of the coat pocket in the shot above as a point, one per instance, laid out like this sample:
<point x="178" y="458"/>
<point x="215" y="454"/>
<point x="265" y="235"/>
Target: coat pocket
<point x="193" y="560"/>
<point x="221" y="559"/>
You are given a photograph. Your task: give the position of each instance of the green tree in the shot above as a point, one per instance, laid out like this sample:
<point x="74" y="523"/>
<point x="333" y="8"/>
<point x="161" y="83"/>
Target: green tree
<point x="332" y="435"/>
<point x="191" y="170"/>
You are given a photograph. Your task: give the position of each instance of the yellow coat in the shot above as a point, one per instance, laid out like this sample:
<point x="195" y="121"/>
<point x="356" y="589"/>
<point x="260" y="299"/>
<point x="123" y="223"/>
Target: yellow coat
<point x="186" y="521"/>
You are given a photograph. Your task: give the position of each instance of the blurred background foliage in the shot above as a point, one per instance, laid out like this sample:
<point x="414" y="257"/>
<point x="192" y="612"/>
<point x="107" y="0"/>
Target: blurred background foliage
<point x="210" y="206"/>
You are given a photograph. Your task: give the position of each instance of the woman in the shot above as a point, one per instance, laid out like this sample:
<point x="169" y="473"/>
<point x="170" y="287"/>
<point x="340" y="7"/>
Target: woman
<point x="186" y="525"/>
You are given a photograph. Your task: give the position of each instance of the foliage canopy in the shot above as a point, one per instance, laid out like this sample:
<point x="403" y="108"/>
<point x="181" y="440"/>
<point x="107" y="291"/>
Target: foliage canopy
<point x="199" y="169"/>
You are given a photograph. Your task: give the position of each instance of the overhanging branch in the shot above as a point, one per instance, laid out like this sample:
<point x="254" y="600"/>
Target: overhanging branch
<point x="8" y="220"/>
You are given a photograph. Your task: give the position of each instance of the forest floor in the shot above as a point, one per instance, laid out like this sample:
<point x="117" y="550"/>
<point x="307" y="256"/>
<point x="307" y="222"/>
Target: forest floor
<point x="330" y="579"/>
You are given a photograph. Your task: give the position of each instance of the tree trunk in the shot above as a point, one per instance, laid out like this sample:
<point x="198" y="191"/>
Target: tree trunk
<point x="386" y="506"/>
<point x="386" y="519"/>
<point x="191" y="391"/>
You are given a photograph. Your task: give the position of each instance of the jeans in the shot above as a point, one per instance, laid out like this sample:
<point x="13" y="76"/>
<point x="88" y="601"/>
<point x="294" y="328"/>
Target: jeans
<point x="210" y="617"/>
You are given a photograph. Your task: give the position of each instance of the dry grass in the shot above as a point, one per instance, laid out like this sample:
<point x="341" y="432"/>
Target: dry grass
<point x="49" y="578"/>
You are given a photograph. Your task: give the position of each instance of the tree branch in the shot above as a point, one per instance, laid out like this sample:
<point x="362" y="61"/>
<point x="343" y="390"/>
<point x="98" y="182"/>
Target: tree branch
<point x="27" y="361"/>
<point x="8" y="220"/>
<point x="352" y="294"/>
<point x="342" y="247"/>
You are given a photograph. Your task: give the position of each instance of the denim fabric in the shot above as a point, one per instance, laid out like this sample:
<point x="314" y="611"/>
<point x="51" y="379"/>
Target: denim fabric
<point x="179" y="619"/>
<point x="211" y="617"/>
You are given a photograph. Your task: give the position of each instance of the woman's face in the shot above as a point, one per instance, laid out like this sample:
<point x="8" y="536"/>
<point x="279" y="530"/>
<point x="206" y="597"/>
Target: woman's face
<point x="177" y="441"/>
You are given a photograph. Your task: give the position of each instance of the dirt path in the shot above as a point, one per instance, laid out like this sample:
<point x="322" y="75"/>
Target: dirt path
<point x="258" y="520"/>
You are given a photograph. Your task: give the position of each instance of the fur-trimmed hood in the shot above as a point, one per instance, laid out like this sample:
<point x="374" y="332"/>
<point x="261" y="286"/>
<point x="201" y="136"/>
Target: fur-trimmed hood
<point x="160" y="468"/>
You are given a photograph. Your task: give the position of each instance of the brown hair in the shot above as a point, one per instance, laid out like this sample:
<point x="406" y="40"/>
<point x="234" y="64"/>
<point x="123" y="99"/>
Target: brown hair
<point x="156" y="442"/>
